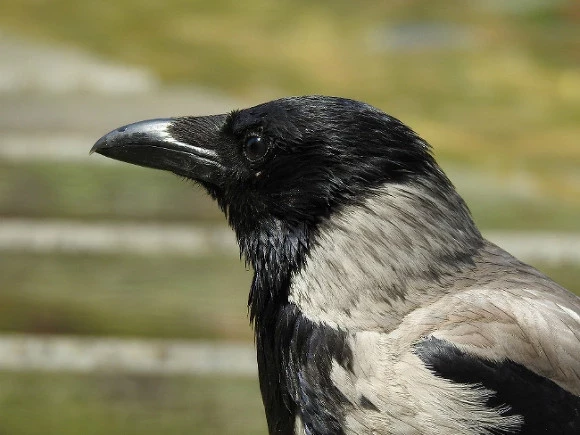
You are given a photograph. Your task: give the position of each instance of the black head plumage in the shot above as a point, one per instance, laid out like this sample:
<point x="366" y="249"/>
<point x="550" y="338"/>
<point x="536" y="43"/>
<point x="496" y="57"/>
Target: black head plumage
<point x="279" y="169"/>
<point x="290" y="163"/>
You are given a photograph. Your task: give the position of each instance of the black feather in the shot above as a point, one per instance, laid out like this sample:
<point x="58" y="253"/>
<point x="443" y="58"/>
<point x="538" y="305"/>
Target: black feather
<point x="546" y="407"/>
<point x="295" y="359"/>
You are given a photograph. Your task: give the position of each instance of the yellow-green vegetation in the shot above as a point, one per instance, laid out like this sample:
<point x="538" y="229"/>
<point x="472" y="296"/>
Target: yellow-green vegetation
<point x="567" y="275"/>
<point x="125" y="295"/>
<point x="117" y="404"/>
<point x="120" y="192"/>
<point x="501" y="91"/>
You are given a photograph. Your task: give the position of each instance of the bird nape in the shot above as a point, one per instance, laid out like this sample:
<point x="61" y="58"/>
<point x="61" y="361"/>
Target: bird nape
<point x="378" y="308"/>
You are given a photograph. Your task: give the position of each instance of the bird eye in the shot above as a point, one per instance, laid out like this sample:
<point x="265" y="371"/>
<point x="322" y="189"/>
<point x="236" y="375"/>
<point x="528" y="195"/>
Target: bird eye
<point x="255" y="148"/>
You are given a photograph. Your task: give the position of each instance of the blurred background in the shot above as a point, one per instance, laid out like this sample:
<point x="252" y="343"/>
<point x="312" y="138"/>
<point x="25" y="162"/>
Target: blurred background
<point x="122" y="297"/>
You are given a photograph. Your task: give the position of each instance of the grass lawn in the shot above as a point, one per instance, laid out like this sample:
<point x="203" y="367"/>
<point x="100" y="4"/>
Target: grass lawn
<point x="119" y="192"/>
<point x="69" y="404"/>
<point x="116" y="295"/>
<point x="567" y="275"/>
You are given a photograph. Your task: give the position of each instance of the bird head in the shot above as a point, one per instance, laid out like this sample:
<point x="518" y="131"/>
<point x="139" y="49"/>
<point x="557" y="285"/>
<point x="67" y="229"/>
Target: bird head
<point x="282" y="168"/>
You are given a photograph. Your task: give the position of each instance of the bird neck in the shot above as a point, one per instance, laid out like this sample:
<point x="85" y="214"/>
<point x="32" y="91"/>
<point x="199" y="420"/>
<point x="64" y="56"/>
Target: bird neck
<point x="373" y="262"/>
<point x="276" y="250"/>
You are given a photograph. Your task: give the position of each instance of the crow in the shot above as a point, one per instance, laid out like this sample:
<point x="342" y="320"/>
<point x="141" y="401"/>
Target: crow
<point x="378" y="308"/>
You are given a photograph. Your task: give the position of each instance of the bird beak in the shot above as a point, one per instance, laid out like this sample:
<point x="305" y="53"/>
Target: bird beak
<point x="152" y="144"/>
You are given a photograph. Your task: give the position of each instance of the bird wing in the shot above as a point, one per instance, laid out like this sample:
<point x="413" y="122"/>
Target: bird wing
<point x="522" y="345"/>
<point x="500" y="356"/>
<point x="537" y="331"/>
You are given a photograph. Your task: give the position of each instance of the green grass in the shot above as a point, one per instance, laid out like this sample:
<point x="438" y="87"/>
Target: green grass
<point x="118" y="295"/>
<point x="120" y="192"/>
<point x="565" y="274"/>
<point x="68" y="404"/>
<point x="148" y="296"/>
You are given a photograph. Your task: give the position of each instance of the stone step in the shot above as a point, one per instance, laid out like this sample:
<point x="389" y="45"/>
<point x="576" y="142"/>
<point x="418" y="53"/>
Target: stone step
<point x="138" y="356"/>
<point x="94" y="115"/>
<point x="67" y="236"/>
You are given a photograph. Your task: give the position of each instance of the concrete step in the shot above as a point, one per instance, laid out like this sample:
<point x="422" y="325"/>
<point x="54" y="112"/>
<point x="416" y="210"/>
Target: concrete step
<point x="47" y="87"/>
<point x="138" y="356"/>
<point x="96" y="114"/>
<point x="66" y="236"/>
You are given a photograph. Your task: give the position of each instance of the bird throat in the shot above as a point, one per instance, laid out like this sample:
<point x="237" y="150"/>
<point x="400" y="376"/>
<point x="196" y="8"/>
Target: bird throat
<point x="276" y="251"/>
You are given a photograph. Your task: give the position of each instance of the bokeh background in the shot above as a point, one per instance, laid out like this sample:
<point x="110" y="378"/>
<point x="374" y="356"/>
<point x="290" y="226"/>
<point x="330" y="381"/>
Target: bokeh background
<point x="494" y="86"/>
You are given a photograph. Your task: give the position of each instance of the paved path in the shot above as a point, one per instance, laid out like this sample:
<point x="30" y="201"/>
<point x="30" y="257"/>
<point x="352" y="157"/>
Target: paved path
<point x="44" y="115"/>
<point x="69" y="236"/>
<point x="54" y="147"/>
<point x="87" y="355"/>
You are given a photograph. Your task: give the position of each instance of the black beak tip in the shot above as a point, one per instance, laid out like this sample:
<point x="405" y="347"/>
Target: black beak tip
<point x="99" y="145"/>
<point x="108" y="141"/>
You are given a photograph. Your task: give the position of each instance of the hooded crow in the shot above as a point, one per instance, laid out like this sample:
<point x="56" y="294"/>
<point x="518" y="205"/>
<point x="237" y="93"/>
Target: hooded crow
<point x="378" y="307"/>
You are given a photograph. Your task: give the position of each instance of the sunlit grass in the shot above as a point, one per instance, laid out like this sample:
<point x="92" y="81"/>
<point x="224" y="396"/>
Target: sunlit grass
<point x="118" y="404"/>
<point x="83" y="192"/>
<point x="125" y="295"/>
